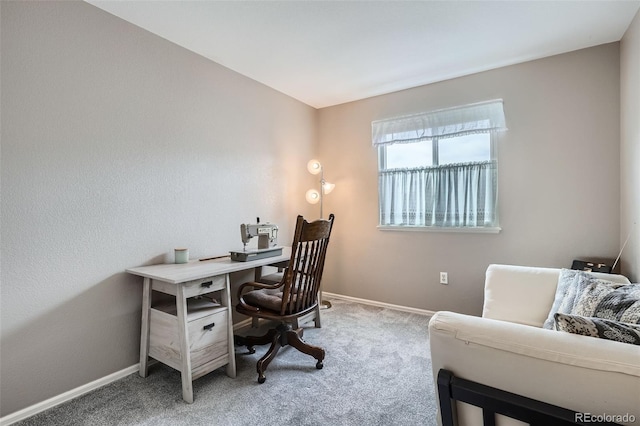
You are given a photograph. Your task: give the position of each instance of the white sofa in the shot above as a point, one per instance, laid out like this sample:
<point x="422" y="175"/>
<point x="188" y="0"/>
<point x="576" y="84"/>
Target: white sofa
<point x="507" y="349"/>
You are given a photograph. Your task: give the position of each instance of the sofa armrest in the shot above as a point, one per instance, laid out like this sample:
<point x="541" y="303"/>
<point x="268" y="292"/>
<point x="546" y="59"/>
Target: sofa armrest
<point x="580" y="373"/>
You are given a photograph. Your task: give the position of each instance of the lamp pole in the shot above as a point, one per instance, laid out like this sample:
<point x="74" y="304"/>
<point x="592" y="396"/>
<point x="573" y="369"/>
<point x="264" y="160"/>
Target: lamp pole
<point x="315" y="168"/>
<point x="321" y="189"/>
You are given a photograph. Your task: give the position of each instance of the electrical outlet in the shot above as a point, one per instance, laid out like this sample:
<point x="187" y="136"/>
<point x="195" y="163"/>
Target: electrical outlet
<point x="444" y="278"/>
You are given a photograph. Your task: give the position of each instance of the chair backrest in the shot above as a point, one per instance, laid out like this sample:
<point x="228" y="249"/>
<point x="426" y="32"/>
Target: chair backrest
<point x="303" y="275"/>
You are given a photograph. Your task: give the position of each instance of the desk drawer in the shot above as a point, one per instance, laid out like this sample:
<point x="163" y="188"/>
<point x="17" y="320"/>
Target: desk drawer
<point x="204" y="286"/>
<point x="208" y="337"/>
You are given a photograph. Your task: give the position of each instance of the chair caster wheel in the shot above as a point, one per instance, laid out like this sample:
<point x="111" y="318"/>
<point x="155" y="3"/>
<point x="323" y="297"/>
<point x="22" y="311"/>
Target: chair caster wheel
<point x="261" y="379"/>
<point x="319" y="365"/>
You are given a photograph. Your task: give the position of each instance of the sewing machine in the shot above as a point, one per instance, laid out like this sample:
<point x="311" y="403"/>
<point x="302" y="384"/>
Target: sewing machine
<point x="267" y="234"/>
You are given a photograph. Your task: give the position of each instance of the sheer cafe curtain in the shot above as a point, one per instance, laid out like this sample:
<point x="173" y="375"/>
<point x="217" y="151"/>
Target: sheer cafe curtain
<point x="453" y="195"/>
<point x="450" y="195"/>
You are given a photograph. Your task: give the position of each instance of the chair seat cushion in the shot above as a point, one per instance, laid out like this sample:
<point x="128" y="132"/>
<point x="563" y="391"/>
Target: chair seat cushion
<point x="270" y="299"/>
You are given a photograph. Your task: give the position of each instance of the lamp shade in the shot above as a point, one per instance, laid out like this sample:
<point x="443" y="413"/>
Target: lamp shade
<point x="312" y="196"/>
<point x="314" y="167"/>
<point x="327" y="187"/>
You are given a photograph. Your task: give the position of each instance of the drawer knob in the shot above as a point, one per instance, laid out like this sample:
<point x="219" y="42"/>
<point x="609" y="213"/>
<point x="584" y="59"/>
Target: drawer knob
<point x="207" y="284"/>
<point x="209" y="327"/>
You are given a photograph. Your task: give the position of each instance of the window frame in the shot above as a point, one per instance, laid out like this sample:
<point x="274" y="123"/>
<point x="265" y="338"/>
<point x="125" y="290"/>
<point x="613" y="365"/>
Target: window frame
<point x="493" y="147"/>
<point x="435" y="151"/>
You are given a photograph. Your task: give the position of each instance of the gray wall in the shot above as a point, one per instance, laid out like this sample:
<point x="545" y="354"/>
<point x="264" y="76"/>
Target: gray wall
<point x="118" y="146"/>
<point x="630" y="149"/>
<point x="559" y="182"/>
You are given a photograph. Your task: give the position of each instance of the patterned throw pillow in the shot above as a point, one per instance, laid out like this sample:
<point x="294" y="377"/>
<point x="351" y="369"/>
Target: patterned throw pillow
<point x="604" y="299"/>
<point x="565" y="290"/>
<point x="581" y="293"/>
<point x="598" y="327"/>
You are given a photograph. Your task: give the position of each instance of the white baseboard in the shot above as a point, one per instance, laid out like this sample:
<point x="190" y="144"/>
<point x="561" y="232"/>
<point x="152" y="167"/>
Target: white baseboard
<point x="81" y="390"/>
<point x="242" y="324"/>
<point x="379" y="304"/>
<point x="67" y="396"/>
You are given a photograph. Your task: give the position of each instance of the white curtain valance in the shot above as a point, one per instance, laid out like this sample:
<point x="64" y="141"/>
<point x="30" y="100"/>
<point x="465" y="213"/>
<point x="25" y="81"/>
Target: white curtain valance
<point x="481" y="117"/>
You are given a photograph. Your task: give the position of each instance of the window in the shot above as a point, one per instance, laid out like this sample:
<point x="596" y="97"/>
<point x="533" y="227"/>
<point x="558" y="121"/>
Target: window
<point x="439" y="169"/>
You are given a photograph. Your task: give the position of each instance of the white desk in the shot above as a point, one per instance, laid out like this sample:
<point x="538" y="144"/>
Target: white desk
<point x="194" y="336"/>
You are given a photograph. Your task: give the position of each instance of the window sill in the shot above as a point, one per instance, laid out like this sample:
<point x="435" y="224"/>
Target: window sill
<point x="476" y="230"/>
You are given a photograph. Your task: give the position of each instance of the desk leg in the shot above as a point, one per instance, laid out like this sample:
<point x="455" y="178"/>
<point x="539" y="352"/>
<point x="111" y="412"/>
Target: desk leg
<point x="316" y="320"/>
<point x="144" y="333"/>
<point x="226" y="301"/>
<point x="324" y="302"/>
<point x="187" y="383"/>
<point x="255" y="321"/>
<point x="257" y="273"/>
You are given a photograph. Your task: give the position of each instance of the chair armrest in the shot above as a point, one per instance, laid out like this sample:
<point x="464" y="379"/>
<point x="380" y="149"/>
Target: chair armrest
<point x="257" y="285"/>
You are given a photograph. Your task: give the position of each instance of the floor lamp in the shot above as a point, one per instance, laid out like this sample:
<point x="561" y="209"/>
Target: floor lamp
<point x="314" y="196"/>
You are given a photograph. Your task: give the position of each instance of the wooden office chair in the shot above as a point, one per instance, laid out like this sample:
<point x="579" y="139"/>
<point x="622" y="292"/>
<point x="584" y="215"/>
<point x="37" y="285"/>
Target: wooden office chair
<point x="293" y="297"/>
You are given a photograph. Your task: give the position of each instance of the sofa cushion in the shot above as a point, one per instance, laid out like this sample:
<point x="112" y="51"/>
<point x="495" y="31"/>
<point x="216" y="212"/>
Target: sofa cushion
<point x="588" y="295"/>
<point x="598" y="327"/>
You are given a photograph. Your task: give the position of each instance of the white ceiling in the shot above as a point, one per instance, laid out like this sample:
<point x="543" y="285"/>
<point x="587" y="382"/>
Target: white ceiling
<point x="326" y="53"/>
